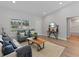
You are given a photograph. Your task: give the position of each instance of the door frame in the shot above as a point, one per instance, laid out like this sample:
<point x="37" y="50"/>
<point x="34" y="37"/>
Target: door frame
<point x="68" y="27"/>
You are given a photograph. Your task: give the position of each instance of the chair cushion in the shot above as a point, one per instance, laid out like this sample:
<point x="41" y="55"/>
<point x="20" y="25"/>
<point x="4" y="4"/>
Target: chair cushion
<point x="5" y="43"/>
<point x="22" y="34"/>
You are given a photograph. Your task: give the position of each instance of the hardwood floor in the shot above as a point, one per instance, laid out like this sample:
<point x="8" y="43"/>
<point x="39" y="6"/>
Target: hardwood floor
<point x="71" y="45"/>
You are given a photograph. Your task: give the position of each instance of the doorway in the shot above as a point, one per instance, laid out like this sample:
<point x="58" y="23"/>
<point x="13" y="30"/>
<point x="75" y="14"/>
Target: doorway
<point x="73" y="27"/>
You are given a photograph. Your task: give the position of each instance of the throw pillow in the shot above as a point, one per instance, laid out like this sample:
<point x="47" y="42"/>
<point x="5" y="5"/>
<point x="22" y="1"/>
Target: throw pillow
<point x="12" y="43"/>
<point x="26" y="32"/>
<point x="5" y="43"/>
<point x="7" y="49"/>
<point x="22" y="34"/>
<point x="7" y="38"/>
<point x="0" y="36"/>
<point x="32" y="32"/>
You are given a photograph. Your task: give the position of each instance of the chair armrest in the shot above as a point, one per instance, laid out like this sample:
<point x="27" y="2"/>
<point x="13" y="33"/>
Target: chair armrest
<point x="13" y="54"/>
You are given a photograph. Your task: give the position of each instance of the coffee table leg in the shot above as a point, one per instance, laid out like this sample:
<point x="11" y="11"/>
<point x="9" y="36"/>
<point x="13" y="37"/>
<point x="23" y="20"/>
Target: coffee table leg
<point x="28" y="42"/>
<point x="38" y="47"/>
<point x="43" y="45"/>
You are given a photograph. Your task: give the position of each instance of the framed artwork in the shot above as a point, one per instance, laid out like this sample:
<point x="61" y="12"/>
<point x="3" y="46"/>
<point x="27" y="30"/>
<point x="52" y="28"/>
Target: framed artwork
<point x="18" y="24"/>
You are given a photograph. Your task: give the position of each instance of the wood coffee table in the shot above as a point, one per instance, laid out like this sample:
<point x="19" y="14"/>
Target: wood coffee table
<point x="39" y="42"/>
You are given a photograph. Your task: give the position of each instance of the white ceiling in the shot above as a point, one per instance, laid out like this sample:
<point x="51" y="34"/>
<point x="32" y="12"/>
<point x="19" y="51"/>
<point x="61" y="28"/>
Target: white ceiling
<point x="39" y="8"/>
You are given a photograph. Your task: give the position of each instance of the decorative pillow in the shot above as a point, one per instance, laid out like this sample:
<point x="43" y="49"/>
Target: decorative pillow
<point x="0" y="36"/>
<point x="6" y="38"/>
<point x="29" y="34"/>
<point x="22" y="34"/>
<point x="12" y="43"/>
<point x="5" y="43"/>
<point x="32" y="32"/>
<point x="26" y="32"/>
<point x="7" y="49"/>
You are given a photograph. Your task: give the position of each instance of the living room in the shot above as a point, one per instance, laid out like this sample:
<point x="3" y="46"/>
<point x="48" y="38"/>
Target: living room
<point x="47" y="21"/>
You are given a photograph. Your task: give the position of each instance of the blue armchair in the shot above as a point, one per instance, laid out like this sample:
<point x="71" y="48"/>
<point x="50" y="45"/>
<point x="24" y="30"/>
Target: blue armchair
<point x="21" y="35"/>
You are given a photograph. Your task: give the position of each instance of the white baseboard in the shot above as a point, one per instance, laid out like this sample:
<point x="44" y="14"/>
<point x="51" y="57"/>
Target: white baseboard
<point x="40" y="34"/>
<point x="58" y="37"/>
<point x="62" y="38"/>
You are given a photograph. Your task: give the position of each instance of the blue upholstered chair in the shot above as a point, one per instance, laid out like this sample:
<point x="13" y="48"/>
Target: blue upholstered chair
<point x="22" y="35"/>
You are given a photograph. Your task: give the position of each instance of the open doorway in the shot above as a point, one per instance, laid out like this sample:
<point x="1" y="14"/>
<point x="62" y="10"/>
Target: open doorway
<point x="73" y="28"/>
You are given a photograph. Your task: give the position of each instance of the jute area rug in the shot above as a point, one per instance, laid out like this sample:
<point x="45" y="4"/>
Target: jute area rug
<point x="50" y="50"/>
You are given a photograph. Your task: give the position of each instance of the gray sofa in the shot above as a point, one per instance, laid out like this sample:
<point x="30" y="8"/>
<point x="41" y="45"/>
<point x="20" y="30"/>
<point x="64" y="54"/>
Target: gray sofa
<point x="17" y="52"/>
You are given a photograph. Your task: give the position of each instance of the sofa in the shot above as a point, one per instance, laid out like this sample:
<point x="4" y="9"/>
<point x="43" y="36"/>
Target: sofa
<point x="21" y="51"/>
<point x="13" y="54"/>
<point x="22" y="35"/>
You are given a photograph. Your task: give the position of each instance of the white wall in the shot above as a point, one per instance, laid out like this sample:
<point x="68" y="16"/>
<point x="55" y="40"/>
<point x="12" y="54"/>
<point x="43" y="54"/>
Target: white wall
<point x="6" y="15"/>
<point x="60" y="17"/>
<point x="35" y="22"/>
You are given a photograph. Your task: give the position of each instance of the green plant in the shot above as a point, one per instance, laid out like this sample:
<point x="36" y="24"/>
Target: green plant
<point x="35" y="35"/>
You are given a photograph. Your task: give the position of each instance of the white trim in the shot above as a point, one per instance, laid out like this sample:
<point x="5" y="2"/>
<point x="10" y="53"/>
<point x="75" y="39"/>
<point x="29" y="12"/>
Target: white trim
<point x="58" y="37"/>
<point x="40" y="34"/>
<point x="62" y="38"/>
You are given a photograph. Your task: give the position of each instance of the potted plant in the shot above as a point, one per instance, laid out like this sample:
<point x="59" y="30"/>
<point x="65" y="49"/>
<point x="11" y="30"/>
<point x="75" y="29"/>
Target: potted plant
<point x="35" y="35"/>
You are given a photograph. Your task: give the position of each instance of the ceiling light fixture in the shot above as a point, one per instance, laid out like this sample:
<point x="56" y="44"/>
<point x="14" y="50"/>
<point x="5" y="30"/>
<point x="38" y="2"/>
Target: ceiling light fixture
<point x="60" y="3"/>
<point x="13" y="1"/>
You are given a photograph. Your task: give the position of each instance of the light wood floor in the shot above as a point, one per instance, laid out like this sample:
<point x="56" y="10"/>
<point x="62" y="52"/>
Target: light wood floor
<point x="71" y="45"/>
